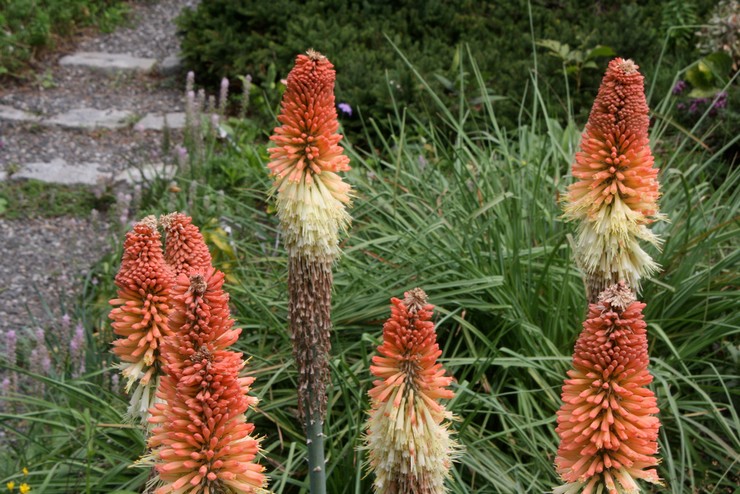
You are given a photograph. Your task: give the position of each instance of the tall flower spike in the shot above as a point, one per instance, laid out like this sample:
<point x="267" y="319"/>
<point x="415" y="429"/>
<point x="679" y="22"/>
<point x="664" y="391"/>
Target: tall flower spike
<point x="185" y="250"/>
<point x="616" y="194"/>
<point x="140" y="313"/>
<point x="407" y="433"/>
<point x="311" y="204"/>
<point x="607" y="425"/>
<point x="311" y="197"/>
<point x="201" y="442"/>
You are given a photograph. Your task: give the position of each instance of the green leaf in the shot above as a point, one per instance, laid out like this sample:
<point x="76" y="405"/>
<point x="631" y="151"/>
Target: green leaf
<point x="720" y="63"/>
<point x="600" y="51"/>
<point x="700" y="76"/>
<point x="703" y="93"/>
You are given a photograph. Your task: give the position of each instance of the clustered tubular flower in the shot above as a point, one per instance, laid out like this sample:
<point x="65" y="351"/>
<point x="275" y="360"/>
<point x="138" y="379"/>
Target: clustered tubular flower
<point x="140" y="312"/>
<point x="311" y="196"/>
<point x="607" y="423"/>
<point x="201" y="442"/>
<point x="616" y="194"/>
<point x="185" y="250"/>
<point x="410" y="449"/>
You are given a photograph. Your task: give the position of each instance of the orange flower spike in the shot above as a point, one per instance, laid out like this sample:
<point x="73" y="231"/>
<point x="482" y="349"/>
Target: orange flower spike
<point x="185" y="250"/>
<point x="407" y="433"/>
<point x="616" y="192"/>
<point x="311" y="197"/>
<point x="607" y="423"/>
<point x="140" y="312"/>
<point x="212" y="328"/>
<point x="201" y="441"/>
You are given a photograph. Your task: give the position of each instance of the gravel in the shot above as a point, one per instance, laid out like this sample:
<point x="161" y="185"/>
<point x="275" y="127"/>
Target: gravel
<point x="41" y="265"/>
<point x="152" y="32"/>
<point x="43" y="259"/>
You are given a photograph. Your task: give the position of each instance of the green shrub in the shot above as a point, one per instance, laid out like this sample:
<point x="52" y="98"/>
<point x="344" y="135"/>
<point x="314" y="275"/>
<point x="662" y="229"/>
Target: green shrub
<point x="228" y="38"/>
<point x="29" y="26"/>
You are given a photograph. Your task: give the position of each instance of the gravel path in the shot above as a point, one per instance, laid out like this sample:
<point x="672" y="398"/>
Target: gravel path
<point x="42" y="259"/>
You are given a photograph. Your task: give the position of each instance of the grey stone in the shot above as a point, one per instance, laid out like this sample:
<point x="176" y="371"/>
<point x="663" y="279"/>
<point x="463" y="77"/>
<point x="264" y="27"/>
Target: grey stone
<point x="170" y="66"/>
<point x="155" y="121"/>
<point x="109" y="62"/>
<point x="146" y="173"/>
<point x="59" y="171"/>
<point x="90" y="118"/>
<point x="10" y="113"/>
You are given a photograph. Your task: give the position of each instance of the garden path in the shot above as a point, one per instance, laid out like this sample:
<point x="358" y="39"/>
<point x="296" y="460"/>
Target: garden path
<point x="92" y="117"/>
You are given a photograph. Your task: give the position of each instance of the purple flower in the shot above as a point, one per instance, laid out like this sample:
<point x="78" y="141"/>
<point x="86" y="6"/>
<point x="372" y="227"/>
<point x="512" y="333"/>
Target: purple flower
<point x="345" y="108"/>
<point x="679" y="88"/>
<point x="40" y="361"/>
<point x="77" y="351"/>
<point x="720" y="101"/>
<point x="11" y="340"/>
<point x="681" y="106"/>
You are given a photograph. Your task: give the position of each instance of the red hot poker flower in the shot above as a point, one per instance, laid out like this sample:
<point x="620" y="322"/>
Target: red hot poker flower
<point x="311" y="197"/>
<point x="140" y="312"/>
<point x="185" y="250"/>
<point x="409" y="443"/>
<point x="202" y="442"/>
<point x="607" y="422"/>
<point x="616" y="192"/>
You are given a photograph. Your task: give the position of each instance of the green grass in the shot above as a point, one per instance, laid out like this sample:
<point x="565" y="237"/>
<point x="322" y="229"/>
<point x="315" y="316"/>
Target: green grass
<point x="477" y="224"/>
<point x="23" y="199"/>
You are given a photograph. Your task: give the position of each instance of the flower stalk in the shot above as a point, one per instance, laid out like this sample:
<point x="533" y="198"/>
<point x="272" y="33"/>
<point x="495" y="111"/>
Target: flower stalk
<point x="615" y="196"/>
<point x="410" y="449"/>
<point x="201" y="442"/>
<point x="140" y="313"/>
<point x="311" y="201"/>
<point x="607" y="423"/>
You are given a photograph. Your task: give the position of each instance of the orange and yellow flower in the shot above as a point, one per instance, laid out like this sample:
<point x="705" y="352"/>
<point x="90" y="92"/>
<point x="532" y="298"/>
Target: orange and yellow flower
<point x="607" y="423"/>
<point x="311" y="196"/>
<point x="201" y="441"/>
<point x="410" y="449"/>
<point x="616" y="192"/>
<point x="140" y="312"/>
<point x="185" y="250"/>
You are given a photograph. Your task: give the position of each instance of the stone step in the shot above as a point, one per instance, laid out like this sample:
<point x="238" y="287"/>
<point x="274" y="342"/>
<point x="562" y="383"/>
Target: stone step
<point x="59" y="171"/>
<point x="92" y="118"/>
<point x="109" y="62"/>
<point x="16" y="115"/>
<point x="155" y="121"/>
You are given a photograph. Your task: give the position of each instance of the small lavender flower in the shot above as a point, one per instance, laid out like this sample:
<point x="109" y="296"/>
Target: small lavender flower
<point x="345" y="108"/>
<point x="422" y="162"/>
<point x="246" y="88"/>
<point x="720" y="101"/>
<point x="681" y="106"/>
<point x="40" y="360"/>
<point x="11" y="343"/>
<point x="190" y="82"/>
<point x="115" y="383"/>
<point x="223" y="96"/>
<point x="679" y="88"/>
<point x="77" y="351"/>
<point x="182" y="157"/>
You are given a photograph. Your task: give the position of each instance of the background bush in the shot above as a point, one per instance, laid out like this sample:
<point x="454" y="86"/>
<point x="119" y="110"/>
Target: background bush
<point x="29" y="26"/>
<point x="229" y="38"/>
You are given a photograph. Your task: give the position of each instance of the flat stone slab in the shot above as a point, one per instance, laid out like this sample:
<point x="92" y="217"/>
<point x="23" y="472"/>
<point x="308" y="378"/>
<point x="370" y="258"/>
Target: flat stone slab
<point x="91" y="118"/>
<point x="155" y="121"/>
<point x="58" y="171"/>
<point x="10" y="113"/>
<point x="146" y="173"/>
<point x="109" y="62"/>
<point x="170" y="65"/>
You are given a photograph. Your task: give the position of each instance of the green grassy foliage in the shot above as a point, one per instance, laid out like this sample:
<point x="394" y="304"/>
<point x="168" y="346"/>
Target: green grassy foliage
<point x="30" y="26"/>
<point x="469" y="212"/>
<point x="32" y="199"/>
